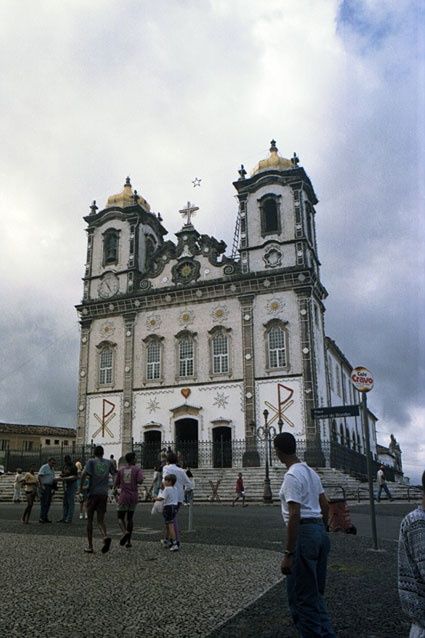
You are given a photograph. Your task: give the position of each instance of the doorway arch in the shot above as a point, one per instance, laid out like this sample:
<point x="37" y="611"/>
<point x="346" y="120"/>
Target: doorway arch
<point x="222" y="446"/>
<point x="186" y="438"/>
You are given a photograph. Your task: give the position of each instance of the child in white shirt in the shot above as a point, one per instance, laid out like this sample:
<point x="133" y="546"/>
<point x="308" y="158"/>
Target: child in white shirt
<point x="169" y="496"/>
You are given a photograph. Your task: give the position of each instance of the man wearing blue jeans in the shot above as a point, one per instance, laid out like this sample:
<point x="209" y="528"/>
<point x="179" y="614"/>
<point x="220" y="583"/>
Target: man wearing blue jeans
<point x="304" y="510"/>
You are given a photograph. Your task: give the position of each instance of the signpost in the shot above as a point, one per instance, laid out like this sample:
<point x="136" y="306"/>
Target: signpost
<point x="335" y="411"/>
<point x="362" y="380"/>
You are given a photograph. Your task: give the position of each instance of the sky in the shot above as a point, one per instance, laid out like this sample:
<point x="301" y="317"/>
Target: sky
<point x="171" y="90"/>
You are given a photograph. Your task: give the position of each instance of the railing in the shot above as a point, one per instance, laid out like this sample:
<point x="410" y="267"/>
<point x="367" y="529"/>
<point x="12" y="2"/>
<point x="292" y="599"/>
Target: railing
<point x="206" y="454"/>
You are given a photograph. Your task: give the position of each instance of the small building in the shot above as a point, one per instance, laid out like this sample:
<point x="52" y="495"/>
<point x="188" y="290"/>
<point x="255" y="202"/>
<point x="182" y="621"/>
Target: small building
<point x="17" y="436"/>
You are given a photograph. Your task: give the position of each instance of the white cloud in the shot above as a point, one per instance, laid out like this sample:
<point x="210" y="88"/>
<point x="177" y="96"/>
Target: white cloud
<point x="169" y="91"/>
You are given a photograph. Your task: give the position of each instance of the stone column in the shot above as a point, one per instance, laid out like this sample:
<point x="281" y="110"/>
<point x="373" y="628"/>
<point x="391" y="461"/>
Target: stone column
<point x="82" y="433"/>
<point x="313" y="454"/>
<point x="127" y="425"/>
<point x="250" y="457"/>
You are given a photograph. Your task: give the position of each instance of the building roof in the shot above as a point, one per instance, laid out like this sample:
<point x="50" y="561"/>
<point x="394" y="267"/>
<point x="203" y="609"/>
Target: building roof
<point x="330" y="343"/>
<point x="37" y="430"/>
<point x="273" y="162"/>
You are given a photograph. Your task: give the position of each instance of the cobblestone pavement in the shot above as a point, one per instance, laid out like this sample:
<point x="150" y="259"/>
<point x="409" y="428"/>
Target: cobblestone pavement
<point x="224" y="583"/>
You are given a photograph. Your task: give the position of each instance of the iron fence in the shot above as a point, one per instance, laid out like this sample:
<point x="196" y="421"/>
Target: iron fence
<point x="207" y="454"/>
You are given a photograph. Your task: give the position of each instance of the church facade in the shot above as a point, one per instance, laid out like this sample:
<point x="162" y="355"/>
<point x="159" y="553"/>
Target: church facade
<point x="181" y="343"/>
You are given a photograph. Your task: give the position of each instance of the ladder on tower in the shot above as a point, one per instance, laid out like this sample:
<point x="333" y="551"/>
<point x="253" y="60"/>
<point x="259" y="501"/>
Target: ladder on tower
<point x="236" y="236"/>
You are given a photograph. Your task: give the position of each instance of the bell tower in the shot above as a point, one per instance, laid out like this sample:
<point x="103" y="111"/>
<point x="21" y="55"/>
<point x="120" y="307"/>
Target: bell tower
<point x="276" y="215"/>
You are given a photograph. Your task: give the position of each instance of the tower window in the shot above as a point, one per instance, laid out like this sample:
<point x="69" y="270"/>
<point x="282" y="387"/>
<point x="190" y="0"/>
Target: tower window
<point x="110" y="247"/>
<point x="106" y="362"/>
<point x="270" y="215"/>
<point x="105" y="369"/>
<point x="276" y="345"/>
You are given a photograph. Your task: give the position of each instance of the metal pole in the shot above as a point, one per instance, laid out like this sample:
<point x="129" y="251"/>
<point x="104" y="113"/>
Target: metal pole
<point x="267" y="495"/>
<point x="190" y="525"/>
<point x="369" y="471"/>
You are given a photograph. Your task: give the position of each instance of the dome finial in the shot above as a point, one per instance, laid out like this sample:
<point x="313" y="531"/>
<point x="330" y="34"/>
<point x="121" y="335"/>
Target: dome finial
<point x="273" y="147"/>
<point x="127" y="181"/>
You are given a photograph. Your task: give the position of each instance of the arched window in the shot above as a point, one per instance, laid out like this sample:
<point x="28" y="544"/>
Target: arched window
<point x="110" y="246"/>
<point x="219" y="350"/>
<point x="153" y="360"/>
<point x="185" y="354"/>
<point x="106" y="360"/>
<point x="153" y="357"/>
<point x="270" y="215"/>
<point x="276" y="342"/>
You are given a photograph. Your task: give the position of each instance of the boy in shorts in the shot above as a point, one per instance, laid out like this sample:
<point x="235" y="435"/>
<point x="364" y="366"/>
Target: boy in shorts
<point x="169" y="496"/>
<point x="127" y="480"/>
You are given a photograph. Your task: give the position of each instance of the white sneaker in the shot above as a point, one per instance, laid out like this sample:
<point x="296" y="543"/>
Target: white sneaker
<point x="174" y="548"/>
<point x="81" y="516"/>
<point x="85" y="515"/>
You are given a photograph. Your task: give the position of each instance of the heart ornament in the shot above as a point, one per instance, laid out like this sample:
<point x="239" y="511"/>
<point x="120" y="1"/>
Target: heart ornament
<point x="185" y="392"/>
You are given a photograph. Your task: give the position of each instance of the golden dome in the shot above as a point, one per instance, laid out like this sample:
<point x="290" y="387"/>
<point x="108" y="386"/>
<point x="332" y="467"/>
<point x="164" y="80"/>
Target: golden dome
<point x="274" y="162"/>
<point x="127" y="197"/>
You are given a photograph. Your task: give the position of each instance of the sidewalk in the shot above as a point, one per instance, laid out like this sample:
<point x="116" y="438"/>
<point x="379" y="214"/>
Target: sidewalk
<point x="225" y="582"/>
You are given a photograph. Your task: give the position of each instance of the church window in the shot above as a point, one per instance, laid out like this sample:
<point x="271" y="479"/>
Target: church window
<point x="220" y="349"/>
<point x="106" y="362"/>
<point x="334" y="433"/>
<point x="276" y="345"/>
<point x="338" y="382"/>
<point x="105" y="371"/>
<point x="331" y="373"/>
<point x="153" y="360"/>
<point x="186" y="354"/>
<point x="110" y="246"/>
<point x="270" y="215"/>
<point x="341" y="434"/>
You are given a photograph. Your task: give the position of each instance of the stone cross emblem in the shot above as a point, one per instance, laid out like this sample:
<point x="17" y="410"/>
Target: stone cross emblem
<point x="188" y="212"/>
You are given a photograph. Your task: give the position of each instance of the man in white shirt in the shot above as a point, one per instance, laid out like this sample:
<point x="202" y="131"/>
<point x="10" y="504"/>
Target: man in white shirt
<point x="182" y="481"/>
<point x="304" y="510"/>
<point x="382" y="484"/>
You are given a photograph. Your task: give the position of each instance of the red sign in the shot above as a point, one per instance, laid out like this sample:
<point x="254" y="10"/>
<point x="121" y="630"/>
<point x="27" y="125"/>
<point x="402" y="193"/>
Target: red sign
<point x="362" y="379"/>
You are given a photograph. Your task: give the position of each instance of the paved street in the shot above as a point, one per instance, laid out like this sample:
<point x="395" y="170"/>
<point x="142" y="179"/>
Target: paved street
<point x="224" y="583"/>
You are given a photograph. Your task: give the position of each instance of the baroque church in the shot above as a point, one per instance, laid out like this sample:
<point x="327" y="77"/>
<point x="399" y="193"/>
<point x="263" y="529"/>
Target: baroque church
<point x="181" y="343"/>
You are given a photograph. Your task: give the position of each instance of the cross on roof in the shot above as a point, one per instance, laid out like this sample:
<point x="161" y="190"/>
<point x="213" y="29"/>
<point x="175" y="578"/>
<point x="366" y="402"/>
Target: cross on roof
<point x="188" y="212"/>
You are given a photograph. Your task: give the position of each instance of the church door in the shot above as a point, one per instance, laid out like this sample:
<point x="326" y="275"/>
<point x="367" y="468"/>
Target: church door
<point x="187" y="441"/>
<point x="222" y="447"/>
<point x="151" y="448"/>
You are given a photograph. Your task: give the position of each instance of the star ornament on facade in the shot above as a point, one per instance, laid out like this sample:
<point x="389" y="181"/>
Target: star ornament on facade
<point x="221" y="400"/>
<point x="153" y="405"/>
<point x="196" y="182"/>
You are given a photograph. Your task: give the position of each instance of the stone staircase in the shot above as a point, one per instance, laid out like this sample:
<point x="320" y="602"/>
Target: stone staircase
<point x="336" y="485"/>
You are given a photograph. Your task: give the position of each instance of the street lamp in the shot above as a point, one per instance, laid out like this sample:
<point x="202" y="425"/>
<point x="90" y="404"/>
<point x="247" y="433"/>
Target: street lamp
<point x="263" y="434"/>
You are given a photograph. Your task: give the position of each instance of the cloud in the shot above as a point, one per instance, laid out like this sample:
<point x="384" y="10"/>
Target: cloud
<point x="169" y="91"/>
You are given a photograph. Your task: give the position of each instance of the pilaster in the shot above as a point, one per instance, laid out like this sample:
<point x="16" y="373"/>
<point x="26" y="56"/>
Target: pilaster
<point x="82" y="434"/>
<point x="127" y="426"/>
<point x="314" y="454"/>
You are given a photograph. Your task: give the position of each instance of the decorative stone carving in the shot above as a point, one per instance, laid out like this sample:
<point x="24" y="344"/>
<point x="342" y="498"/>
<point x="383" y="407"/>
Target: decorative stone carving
<point x="153" y="322"/>
<point x="275" y="306"/>
<point x="273" y="257"/>
<point x="220" y="314"/>
<point x="221" y="400"/>
<point x="186" y="317"/>
<point x="152" y="405"/>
